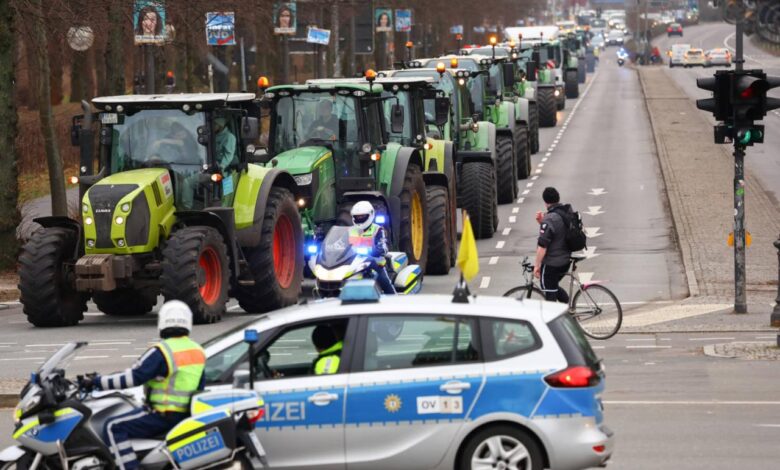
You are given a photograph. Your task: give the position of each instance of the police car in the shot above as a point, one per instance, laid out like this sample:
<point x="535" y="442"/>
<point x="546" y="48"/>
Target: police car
<point x="434" y="383"/>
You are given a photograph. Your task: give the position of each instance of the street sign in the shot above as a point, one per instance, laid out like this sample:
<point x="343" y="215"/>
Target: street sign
<point x="221" y="28"/>
<point x="456" y="29"/>
<point x="318" y="36"/>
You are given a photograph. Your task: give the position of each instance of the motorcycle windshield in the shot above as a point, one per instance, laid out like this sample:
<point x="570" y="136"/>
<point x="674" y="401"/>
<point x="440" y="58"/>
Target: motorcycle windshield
<point x="336" y="250"/>
<point x="61" y="359"/>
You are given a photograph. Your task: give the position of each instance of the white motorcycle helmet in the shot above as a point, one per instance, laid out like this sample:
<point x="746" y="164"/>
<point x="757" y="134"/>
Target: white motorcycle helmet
<point x="174" y="314"/>
<point x="362" y="215"/>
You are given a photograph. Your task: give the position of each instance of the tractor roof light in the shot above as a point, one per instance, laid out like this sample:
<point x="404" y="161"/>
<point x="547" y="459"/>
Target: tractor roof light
<point x="216" y="177"/>
<point x="409" y="44"/>
<point x="453" y="63"/>
<point x="263" y="83"/>
<point x="493" y="40"/>
<point x="370" y="75"/>
<point x="440" y="68"/>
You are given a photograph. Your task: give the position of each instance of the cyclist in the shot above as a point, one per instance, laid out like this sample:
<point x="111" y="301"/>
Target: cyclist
<point x="552" y="255"/>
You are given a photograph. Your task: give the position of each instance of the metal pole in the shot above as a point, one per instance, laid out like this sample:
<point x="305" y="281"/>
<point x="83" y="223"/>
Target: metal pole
<point x="739" y="61"/>
<point x="285" y="60"/>
<point x="243" y="67"/>
<point x="150" y="74"/>
<point x="352" y="55"/>
<point x="334" y="25"/>
<point x="740" y="299"/>
<point x="774" y="319"/>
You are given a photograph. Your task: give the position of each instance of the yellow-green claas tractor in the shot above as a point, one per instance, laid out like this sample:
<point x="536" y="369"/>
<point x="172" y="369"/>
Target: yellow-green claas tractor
<point x="176" y="208"/>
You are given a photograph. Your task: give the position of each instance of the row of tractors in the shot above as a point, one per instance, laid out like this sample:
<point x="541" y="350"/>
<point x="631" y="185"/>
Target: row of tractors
<point x="207" y="197"/>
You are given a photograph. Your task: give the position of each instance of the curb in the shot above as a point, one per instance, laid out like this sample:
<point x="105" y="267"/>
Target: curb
<point x="660" y="152"/>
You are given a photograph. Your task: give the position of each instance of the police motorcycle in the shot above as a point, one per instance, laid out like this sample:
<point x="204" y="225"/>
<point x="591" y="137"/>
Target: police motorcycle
<point x="59" y="424"/>
<point x="337" y="262"/>
<point x="622" y="56"/>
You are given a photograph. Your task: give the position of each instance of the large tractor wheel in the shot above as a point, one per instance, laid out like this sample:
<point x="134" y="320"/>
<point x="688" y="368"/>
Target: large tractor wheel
<point x="582" y="73"/>
<point x="478" y="180"/>
<point x="126" y="301"/>
<point x="196" y="270"/>
<point x="548" y="115"/>
<point x="413" y="239"/>
<point x="439" y="231"/>
<point x="523" y="153"/>
<point x="277" y="262"/>
<point x="48" y="295"/>
<point x="533" y="116"/>
<point x="570" y="84"/>
<point x="507" y="171"/>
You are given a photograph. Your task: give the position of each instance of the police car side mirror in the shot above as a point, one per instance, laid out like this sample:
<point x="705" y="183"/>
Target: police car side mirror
<point x="240" y="378"/>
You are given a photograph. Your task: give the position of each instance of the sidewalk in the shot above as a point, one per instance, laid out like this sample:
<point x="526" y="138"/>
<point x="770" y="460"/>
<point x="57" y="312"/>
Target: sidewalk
<point x="698" y="175"/>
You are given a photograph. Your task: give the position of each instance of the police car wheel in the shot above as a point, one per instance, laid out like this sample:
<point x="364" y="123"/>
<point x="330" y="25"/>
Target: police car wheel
<point x="501" y="447"/>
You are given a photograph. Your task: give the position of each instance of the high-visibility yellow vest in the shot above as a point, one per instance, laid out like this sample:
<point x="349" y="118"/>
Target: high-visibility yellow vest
<point x="186" y="361"/>
<point x="365" y="238"/>
<point x="329" y="360"/>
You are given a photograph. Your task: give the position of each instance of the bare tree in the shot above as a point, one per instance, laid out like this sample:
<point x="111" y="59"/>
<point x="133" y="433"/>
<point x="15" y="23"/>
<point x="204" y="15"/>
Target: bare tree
<point x="9" y="215"/>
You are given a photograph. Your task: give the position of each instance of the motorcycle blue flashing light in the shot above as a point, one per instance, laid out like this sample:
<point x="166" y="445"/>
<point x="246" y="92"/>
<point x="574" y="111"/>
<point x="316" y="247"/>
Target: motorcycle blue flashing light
<point x="311" y="249"/>
<point x="380" y="219"/>
<point x="362" y="250"/>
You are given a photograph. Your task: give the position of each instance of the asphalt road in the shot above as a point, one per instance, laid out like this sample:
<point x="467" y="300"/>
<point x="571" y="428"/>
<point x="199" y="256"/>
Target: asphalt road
<point x="761" y="159"/>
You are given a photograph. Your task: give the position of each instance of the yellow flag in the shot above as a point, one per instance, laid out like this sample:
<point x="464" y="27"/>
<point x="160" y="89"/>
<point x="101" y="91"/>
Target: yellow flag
<point x="468" y="259"/>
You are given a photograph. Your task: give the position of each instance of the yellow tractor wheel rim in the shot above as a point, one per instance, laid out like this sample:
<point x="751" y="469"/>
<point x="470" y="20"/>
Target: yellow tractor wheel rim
<point x="417" y="227"/>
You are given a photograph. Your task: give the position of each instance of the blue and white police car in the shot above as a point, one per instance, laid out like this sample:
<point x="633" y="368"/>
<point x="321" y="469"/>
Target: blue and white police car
<point x="428" y="383"/>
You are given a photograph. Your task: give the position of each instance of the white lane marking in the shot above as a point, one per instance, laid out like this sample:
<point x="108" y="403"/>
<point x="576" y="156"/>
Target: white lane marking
<point x="525" y="192"/>
<point x="767" y="425"/>
<point x="23" y="359"/>
<point x="506" y="231"/>
<point x="7" y="344"/>
<point x="520" y="200"/>
<point x="110" y="343"/>
<point x="485" y="282"/>
<point x="556" y="141"/>
<point x="512" y="219"/>
<point x="541" y="165"/>
<point x="691" y="402"/>
<point x="640" y="339"/>
<point x="500" y="244"/>
<point x="647" y="346"/>
<point x="515" y="210"/>
<point x="544" y="159"/>
<point x="43" y="345"/>
<point x="538" y="171"/>
<point x="592" y="232"/>
<point x="529" y="184"/>
<point x="536" y="177"/>
<point x="129" y="355"/>
<point x="552" y="147"/>
<point x="586" y="278"/>
<point x="649" y="363"/>
<point x="598" y="347"/>
<point x="594" y="210"/>
<point x="710" y="339"/>
<point x="82" y="358"/>
<point x="766" y="337"/>
<point x="547" y="155"/>
<point x="597" y="191"/>
<point x="493" y="260"/>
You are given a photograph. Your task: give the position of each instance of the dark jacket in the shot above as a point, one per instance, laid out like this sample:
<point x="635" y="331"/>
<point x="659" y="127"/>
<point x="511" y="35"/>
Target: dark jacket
<point x="552" y="235"/>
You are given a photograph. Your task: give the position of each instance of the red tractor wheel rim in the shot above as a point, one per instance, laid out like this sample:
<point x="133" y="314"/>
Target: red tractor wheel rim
<point x="284" y="251"/>
<point x="211" y="286"/>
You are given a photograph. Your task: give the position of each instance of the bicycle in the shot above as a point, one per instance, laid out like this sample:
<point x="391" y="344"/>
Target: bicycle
<point x="595" y="307"/>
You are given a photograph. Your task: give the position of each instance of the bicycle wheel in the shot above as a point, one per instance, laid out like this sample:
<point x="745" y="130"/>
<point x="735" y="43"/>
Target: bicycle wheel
<point x="521" y="292"/>
<point x="598" y="311"/>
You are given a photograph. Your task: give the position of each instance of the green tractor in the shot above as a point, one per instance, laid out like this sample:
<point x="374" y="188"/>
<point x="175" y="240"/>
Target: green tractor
<point x="177" y="208"/>
<point x="332" y="136"/>
<point x="474" y="142"/>
<point x="574" y="44"/>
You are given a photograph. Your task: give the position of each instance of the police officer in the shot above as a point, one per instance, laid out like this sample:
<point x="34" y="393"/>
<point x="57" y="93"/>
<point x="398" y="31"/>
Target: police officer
<point x="171" y="372"/>
<point x="552" y="255"/>
<point x="365" y="233"/>
<point x="328" y="348"/>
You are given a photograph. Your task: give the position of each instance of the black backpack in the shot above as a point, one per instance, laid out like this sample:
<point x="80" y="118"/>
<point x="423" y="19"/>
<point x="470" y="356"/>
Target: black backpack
<point x="576" y="239"/>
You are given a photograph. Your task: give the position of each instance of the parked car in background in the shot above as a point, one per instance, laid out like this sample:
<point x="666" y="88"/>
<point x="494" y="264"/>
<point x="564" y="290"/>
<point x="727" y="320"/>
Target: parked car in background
<point x="693" y="57"/>
<point x="718" y="56"/>
<point x="677" y="54"/>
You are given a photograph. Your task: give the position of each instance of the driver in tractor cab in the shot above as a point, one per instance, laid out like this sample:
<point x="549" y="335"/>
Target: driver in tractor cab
<point x="225" y="145"/>
<point x="170" y="371"/>
<point x="326" y="126"/>
<point x="371" y="238"/>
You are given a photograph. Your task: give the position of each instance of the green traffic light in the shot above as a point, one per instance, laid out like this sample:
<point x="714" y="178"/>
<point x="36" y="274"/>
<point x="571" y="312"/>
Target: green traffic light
<point x="745" y="137"/>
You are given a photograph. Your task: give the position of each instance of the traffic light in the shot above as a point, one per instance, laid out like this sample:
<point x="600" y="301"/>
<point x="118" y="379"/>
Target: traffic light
<point x="748" y="95"/>
<point x="719" y="104"/>
<point x="170" y="81"/>
<point x="749" y="135"/>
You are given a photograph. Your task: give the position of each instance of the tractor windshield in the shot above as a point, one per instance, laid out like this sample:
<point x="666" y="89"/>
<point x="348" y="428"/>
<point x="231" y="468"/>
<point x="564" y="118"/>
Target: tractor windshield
<point x="165" y="138"/>
<point x="316" y="118"/>
<point x="477" y="90"/>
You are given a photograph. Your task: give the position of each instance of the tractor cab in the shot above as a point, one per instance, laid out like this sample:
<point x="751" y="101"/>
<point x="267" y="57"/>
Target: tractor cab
<point x="198" y="138"/>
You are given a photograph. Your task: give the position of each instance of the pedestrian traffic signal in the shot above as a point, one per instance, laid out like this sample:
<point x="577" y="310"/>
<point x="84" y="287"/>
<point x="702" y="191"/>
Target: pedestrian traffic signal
<point x="750" y="135"/>
<point x="719" y="85"/>
<point x="749" y="95"/>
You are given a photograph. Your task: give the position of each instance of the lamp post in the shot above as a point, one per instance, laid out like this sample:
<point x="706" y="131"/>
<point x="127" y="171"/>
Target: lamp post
<point x="774" y="319"/>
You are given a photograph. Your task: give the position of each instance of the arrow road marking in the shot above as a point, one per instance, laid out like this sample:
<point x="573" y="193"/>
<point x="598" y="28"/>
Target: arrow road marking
<point x="597" y="191"/>
<point x="594" y="210"/>
<point x="592" y="232"/>
<point x="585" y="277"/>
<point x="590" y="252"/>
<point x="512" y="219"/>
